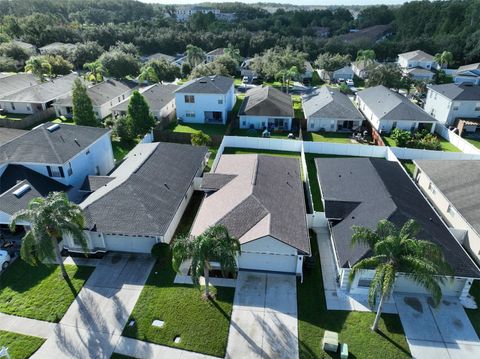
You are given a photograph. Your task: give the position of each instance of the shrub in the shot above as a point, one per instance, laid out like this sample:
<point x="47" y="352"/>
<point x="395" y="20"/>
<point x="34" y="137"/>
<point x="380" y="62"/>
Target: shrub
<point x="419" y="140"/>
<point x="200" y="139"/>
<point x="401" y="137"/>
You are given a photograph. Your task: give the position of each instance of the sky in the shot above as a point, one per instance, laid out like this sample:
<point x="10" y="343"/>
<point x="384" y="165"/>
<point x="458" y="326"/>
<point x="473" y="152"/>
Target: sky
<point x="293" y="2"/>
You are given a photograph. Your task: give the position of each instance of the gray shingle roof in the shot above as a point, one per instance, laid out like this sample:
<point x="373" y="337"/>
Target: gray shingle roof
<point x="157" y="96"/>
<point x="385" y="103"/>
<point x="8" y="134"/>
<point x="365" y="190"/>
<point x="13" y="83"/>
<point x="207" y="85"/>
<point x="469" y="67"/>
<point x="417" y="55"/>
<point x="217" y="52"/>
<point x="459" y="182"/>
<point x="266" y="101"/>
<point x="57" y="46"/>
<point x="146" y="201"/>
<point x="458" y="92"/>
<point x="42" y="146"/>
<point x="92" y="183"/>
<point x="328" y="102"/>
<point x="159" y="55"/>
<point x="215" y="181"/>
<point x="43" y="92"/>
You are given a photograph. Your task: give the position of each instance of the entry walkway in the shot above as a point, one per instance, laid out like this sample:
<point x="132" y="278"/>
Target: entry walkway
<point x="27" y="326"/>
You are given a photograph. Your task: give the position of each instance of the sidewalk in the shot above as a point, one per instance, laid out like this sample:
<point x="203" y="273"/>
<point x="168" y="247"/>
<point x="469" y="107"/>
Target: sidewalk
<point x="33" y="327"/>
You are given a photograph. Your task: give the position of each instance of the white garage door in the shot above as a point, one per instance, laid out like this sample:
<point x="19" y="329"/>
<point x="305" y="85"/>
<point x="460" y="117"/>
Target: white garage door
<point x="268" y="262"/>
<point x="129" y="244"/>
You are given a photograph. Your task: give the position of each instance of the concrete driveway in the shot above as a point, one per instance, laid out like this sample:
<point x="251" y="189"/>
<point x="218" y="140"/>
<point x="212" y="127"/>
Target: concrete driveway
<point x="444" y="332"/>
<point x="264" y="317"/>
<point x="93" y="323"/>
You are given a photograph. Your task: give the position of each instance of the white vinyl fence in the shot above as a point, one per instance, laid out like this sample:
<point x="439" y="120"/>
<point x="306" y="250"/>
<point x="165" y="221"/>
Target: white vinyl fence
<point x="459" y="142"/>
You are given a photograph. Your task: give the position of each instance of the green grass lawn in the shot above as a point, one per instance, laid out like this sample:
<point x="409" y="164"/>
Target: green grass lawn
<point x="20" y="346"/>
<point x="40" y="292"/>
<point x="208" y="129"/>
<point x="312" y="178"/>
<point x="474" y="314"/>
<point x="474" y="142"/>
<point x="335" y="137"/>
<point x="64" y="120"/>
<point x="353" y="327"/>
<point x="13" y="116"/>
<point x="297" y="106"/>
<point x="409" y="166"/>
<point x="121" y="149"/>
<point x="444" y="144"/>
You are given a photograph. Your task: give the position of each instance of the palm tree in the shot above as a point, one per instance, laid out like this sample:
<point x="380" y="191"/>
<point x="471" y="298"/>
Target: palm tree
<point x="443" y="58"/>
<point x="49" y="219"/>
<point x="195" y="55"/>
<point x="38" y="66"/>
<point x="95" y="71"/>
<point x="398" y="251"/>
<point x="288" y="75"/>
<point x="215" y="244"/>
<point x="233" y="52"/>
<point x="366" y="56"/>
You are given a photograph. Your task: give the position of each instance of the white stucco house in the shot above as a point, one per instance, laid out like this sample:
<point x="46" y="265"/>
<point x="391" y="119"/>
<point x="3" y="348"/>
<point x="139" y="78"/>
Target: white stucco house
<point x="260" y="200"/>
<point x="363" y="191"/>
<point x="362" y="68"/>
<point x="341" y="74"/>
<point x="468" y="74"/>
<point x="146" y="197"/>
<point x="386" y="109"/>
<point x="417" y="64"/>
<point x="265" y="107"/>
<point x="104" y="97"/>
<point x="11" y="83"/>
<point x="207" y="99"/>
<point x="214" y="54"/>
<point x="449" y="102"/>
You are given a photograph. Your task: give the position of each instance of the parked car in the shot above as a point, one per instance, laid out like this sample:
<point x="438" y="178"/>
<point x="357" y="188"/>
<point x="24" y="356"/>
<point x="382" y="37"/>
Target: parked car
<point x="245" y="79"/>
<point x="349" y="82"/>
<point x="4" y="259"/>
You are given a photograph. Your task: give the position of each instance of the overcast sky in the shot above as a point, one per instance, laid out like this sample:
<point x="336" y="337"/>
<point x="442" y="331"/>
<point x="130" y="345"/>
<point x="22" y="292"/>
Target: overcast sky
<point x="294" y="2"/>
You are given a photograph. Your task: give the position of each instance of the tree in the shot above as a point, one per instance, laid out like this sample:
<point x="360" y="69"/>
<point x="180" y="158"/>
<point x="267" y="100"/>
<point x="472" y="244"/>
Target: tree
<point x="118" y="64"/>
<point x="95" y="71"/>
<point x="287" y="75"/>
<point x="233" y="53"/>
<point x="158" y="71"/>
<point x="122" y="129"/>
<point x="138" y="114"/>
<point x="195" y="55"/>
<point x="444" y="58"/>
<point x="229" y="63"/>
<point x="50" y="219"/>
<point x="275" y="61"/>
<point x="86" y="52"/>
<point x="82" y="105"/>
<point x="186" y="69"/>
<point x="7" y="64"/>
<point x="38" y="66"/>
<point x="14" y="51"/>
<point x="332" y="62"/>
<point x="126" y="48"/>
<point x="200" y="139"/>
<point x="365" y="55"/>
<point x="397" y="251"/>
<point x="58" y="65"/>
<point x="210" y="69"/>
<point x="215" y="244"/>
<point x="440" y="77"/>
<point x="388" y="75"/>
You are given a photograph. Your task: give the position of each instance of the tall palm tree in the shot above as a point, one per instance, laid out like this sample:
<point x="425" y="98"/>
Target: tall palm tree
<point x="38" y="66"/>
<point x="49" y="219"/>
<point x="215" y="244"/>
<point x="95" y="71"/>
<point x="398" y="251"/>
<point x="443" y="58"/>
<point x="287" y="75"/>
<point x="195" y="55"/>
<point x="366" y="55"/>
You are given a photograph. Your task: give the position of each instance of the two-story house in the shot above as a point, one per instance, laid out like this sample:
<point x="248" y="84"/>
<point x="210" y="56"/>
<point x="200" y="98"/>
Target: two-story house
<point x="207" y="99"/>
<point x="417" y="64"/>
<point x="469" y="74"/>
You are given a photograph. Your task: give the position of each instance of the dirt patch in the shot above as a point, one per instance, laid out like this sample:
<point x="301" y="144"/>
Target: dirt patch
<point x="414" y="303"/>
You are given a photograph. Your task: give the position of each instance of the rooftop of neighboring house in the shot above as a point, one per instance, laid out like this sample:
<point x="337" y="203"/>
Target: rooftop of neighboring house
<point x="25" y="45"/>
<point x="157" y="96"/>
<point x="43" y="92"/>
<point x="363" y="191"/>
<point x="266" y="101"/>
<point x="56" y="46"/>
<point x="455" y="92"/>
<point x="50" y="143"/>
<point x="103" y="92"/>
<point x="11" y="83"/>
<point x="418" y="71"/>
<point x="371" y="33"/>
<point x="470" y="67"/>
<point x="151" y="183"/>
<point x="8" y="134"/>
<point x="308" y="66"/>
<point x="364" y="65"/>
<point x="385" y="103"/>
<point x="458" y="182"/>
<point x="329" y="102"/>
<point x="417" y="55"/>
<point x="158" y="56"/>
<point x="344" y="69"/>
<point x="256" y="196"/>
<point x="217" y="52"/>
<point x="207" y="85"/>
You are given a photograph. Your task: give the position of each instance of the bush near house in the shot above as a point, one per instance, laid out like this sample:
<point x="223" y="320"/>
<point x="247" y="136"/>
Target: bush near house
<point x="420" y="139"/>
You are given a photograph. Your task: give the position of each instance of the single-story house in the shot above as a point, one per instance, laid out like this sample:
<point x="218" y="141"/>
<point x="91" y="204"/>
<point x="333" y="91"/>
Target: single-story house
<point x="363" y="191"/>
<point x="266" y="107"/>
<point x="104" y="96"/>
<point x="260" y="200"/>
<point x="362" y="68"/>
<point x="342" y="74"/>
<point x="207" y="99"/>
<point x="11" y="83"/>
<point x="39" y="97"/>
<point x="469" y="74"/>
<point x="214" y="54"/>
<point x="417" y="58"/>
<point x="160" y="99"/>
<point x="143" y="200"/>
<point x="452" y="188"/>
<point x="328" y="109"/>
<point x="386" y="110"/>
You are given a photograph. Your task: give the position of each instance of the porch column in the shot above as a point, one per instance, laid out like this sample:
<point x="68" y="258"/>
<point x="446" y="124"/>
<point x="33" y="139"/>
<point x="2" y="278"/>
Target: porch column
<point x="433" y="128"/>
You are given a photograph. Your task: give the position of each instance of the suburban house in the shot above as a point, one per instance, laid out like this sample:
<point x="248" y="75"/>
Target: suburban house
<point x="417" y="59"/>
<point x="214" y="54"/>
<point x="451" y="187"/>
<point x="184" y="13"/>
<point x="469" y="74"/>
<point x="11" y="83"/>
<point x="143" y="200"/>
<point x="160" y="99"/>
<point x="455" y="105"/>
<point x="56" y="48"/>
<point x="362" y="68"/>
<point x="50" y="157"/>
<point x="419" y="74"/>
<point x="104" y="96"/>
<point x="246" y="68"/>
<point x="308" y="73"/>
<point x="260" y="200"/>
<point x="386" y="110"/>
<point x="38" y="98"/>
<point x="158" y="56"/>
<point x="342" y="74"/>
<point x="265" y="107"/>
<point x="328" y="109"/>
<point x="363" y="191"/>
<point x="207" y="99"/>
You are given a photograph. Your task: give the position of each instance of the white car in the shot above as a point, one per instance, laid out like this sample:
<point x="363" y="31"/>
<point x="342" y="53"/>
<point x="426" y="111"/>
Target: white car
<point x="4" y="259"/>
<point x="349" y="82"/>
<point x="245" y="79"/>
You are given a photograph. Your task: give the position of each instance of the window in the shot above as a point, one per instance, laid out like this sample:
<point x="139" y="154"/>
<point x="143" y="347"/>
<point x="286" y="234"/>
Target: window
<point x="69" y="170"/>
<point x="189" y="99"/>
<point x="312" y="124"/>
<point x="455" y="106"/>
<point x="54" y="171"/>
<point x="244" y="123"/>
<point x="220" y="102"/>
<point x="477" y="106"/>
<point x="190" y="114"/>
<point x="364" y="282"/>
<point x="451" y="211"/>
<point x="29" y="108"/>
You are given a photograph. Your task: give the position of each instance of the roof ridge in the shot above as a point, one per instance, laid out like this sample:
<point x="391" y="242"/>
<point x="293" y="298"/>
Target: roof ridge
<point x="44" y="131"/>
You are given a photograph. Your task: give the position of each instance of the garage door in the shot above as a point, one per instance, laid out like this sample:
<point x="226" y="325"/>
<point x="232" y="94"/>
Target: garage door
<point x="268" y="262"/>
<point x="129" y="244"/>
<point x="449" y="288"/>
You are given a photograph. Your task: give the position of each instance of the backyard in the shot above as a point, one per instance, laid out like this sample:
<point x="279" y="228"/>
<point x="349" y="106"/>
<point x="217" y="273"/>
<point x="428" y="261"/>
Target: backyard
<point x="444" y="144"/>
<point x="20" y="346"/>
<point x="209" y="129"/>
<point x="332" y="137"/>
<point x="474" y="141"/>
<point x="122" y="148"/>
<point x="40" y="292"/>
<point x="353" y="327"/>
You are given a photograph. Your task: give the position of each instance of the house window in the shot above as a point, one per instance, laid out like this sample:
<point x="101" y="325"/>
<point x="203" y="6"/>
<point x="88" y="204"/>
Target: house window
<point x="29" y="108"/>
<point x="189" y="114"/>
<point x="69" y="170"/>
<point x="244" y="123"/>
<point x="451" y="211"/>
<point x="364" y="282"/>
<point x="455" y="106"/>
<point x="54" y="171"/>
<point x="220" y="102"/>
<point x="189" y="99"/>
<point x="477" y="106"/>
<point x="312" y="124"/>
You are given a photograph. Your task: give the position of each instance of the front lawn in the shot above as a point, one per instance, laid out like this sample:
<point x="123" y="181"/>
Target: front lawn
<point x="209" y="129"/>
<point x="474" y="314"/>
<point x="353" y="327"/>
<point x="333" y="137"/>
<point x="20" y="346"/>
<point x="40" y="292"/>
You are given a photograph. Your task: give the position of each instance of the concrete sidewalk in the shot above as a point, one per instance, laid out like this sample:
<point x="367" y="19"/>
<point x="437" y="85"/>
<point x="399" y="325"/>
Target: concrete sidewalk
<point x="33" y="327"/>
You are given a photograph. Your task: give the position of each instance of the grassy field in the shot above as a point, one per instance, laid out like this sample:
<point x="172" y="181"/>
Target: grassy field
<point x="474" y="314"/>
<point x="20" y="346"/>
<point x="335" y="137"/>
<point x="40" y="292"/>
<point x="353" y="327"/>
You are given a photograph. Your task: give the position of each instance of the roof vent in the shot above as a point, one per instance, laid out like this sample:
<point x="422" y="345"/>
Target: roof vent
<point x="53" y="127"/>
<point x="19" y="192"/>
<point x="76" y="141"/>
